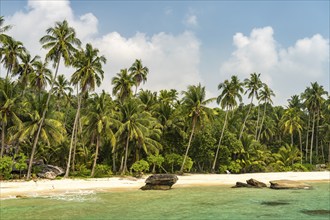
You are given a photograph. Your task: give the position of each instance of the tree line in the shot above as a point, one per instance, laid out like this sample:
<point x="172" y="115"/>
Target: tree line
<point x="66" y="123"/>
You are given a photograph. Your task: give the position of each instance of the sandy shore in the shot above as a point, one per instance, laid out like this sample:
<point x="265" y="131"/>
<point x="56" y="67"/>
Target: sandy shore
<point x="11" y="189"/>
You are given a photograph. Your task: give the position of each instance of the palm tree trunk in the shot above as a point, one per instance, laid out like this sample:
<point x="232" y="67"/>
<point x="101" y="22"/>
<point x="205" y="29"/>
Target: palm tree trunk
<point x="262" y="121"/>
<point x="96" y="154"/>
<point x="3" y="139"/>
<point x="41" y="122"/>
<point x="74" y="148"/>
<point x="72" y="138"/>
<point x="190" y="138"/>
<point x="246" y="117"/>
<point x="221" y="136"/>
<point x="256" y="134"/>
<point x="311" y="151"/>
<point x="124" y="170"/>
<point x="317" y="137"/>
<point x="300" y="144"/>
<point x="307" y="134"/>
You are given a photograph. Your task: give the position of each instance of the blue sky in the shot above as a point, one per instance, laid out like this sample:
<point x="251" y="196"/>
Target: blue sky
<point x="186" y="42"/>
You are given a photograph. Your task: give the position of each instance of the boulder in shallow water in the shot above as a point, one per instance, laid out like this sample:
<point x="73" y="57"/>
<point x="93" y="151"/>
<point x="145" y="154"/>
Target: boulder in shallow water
<point x="288" y="184"/>
<point x="240" y="184"/>
<point x="160" y="182"/>
<point x="256" y="183"/>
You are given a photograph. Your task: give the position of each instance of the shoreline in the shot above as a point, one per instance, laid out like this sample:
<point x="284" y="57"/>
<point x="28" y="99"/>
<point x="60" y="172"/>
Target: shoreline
<point x="44" y="187"/>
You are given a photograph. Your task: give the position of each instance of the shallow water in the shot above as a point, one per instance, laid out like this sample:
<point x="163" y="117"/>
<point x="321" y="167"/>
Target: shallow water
<point x="212" y="202"/>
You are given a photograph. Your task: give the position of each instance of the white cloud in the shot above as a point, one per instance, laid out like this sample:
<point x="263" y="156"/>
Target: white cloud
<point x="287" y="71"/>
<point x="165" y="55"/>
<point x="190" y="19"/>
<point x="172" y="59"/>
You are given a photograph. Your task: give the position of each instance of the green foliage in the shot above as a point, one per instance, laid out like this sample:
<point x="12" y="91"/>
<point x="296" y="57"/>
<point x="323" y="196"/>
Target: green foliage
<point x="299" y="167"/>
<point x="188" y="163"/>
<point x="140" y="166"/>
<point x="155" y="160"/>
<point x="235" y="167"/>
<point x="172" y="160"/>
<point x="6" y="166"/>
<point x="20" y="163"/>
<point x="81" y="171"/>
<point x="102" y="170"/>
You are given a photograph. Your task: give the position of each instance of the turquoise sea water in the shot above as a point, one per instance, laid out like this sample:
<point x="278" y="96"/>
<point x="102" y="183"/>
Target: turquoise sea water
<point x="212" y="202"/>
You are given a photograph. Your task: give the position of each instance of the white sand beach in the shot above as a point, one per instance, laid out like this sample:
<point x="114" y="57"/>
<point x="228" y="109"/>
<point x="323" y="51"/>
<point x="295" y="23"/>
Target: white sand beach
<point x="43" y="187"/>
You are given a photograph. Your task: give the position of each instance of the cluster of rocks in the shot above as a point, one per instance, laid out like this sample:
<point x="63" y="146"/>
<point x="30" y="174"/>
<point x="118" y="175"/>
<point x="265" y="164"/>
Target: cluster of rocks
<point x="274" y="184"/>
<point x="160" y="182"/>
<point x="50" y="171"/>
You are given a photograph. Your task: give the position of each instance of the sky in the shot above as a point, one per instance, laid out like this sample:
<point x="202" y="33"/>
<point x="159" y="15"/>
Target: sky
<point x="189" y="42"/>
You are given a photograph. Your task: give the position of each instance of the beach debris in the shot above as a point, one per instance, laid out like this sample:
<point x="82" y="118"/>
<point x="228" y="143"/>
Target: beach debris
<point x="251" y="183"/>
<point x="160" y="182"/>
<point x="288" y="184"/>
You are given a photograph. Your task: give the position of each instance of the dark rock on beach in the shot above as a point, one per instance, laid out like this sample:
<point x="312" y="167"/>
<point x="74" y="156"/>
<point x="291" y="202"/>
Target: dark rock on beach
<point x="50" y="172"/>
<point x="160" y="182"/>
<point x="288" y="184"/>
<point x="251" y="183"/>
<point x="256" y="183"/>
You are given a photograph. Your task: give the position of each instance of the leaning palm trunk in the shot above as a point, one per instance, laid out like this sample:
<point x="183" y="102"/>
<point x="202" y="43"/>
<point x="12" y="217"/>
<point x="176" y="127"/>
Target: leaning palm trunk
<point x="96" y="154"/>
<point x="124" y="169"/>
<point x="312" y="138"/>
<point x="189" y="143"/>
<point x="246" y="117"/>
<point x="262" y="121"/>
<point x="35" y="142"/>
<point x="75" y="124"/>
<point x="256" y="134"/>
<point x="222" y="132"/>
<point x="307" y="135"/>
<point x="3" y="139"/>
<point x="300" y="143"/>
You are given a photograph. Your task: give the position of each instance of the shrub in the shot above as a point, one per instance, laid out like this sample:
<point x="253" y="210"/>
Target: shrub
<point x="6" y="166"/>
<point x="140" y="166"/>
<point x="234" y="167"/>
<point x="102" y="170"/>
<point x="81" y="170"/>
<point x="299" y="167"/>
<point x="187" y="165"/>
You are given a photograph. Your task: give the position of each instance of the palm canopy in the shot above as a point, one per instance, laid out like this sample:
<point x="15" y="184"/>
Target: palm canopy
<point x="313" y="96"/>
<point x="122" y="84"/>
<point x="230" y="91"/>
<point x="3" y="29"/>
<point x="195" y="102"/>
<point x="139" y="73"/>
<point x="41" y="75"/>
<point x="89" y="71"/>
<point x="60" y="41"/>
<point x="266" y="94"/>
<point x="253" y="84"/>
<point x="10" y="52"/>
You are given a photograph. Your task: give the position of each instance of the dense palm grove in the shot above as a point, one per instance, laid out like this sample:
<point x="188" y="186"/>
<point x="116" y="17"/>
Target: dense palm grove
<point x="64" y="122"/>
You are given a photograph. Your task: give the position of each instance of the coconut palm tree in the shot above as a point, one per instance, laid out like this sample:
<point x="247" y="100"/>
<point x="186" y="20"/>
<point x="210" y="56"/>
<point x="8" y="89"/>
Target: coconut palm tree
<point x="134" y="126"/>
<point x="252" y="86"/>
<point x="99" y="122"/>
<point x="139" y="73"/>
<point x="3" y="28"/>
<point x="231" y="90"/>
<point x="313" y="99"/>
<point x="62" y="88"/>
<point x="11" y="51"/>
<point x="41" y="76"/>
<point x="26" y="69"/>
<point x="292" y="122"/>
<point x="61" y="41"/>
<point x="9" y="109"/>
<point x="88" y="75"/>
<point x="122" y="85"/>
<point x="266" y="97"/>
<point x="194" y="101"/>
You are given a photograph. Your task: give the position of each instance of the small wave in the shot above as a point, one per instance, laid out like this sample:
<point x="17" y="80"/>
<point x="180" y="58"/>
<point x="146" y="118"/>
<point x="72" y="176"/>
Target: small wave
<point x="78" y="196"/>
